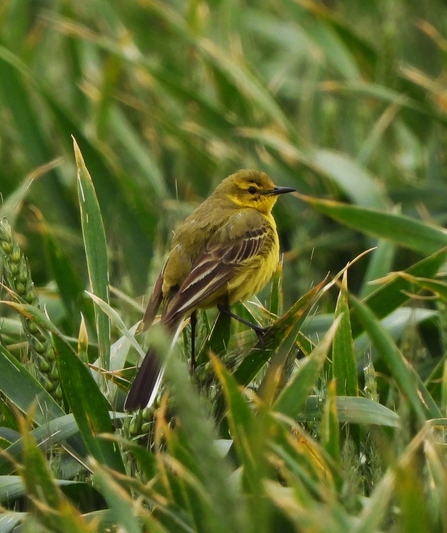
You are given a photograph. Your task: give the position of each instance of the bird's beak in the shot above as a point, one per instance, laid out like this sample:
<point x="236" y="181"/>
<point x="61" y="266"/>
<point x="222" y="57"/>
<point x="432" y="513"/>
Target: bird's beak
<point x="281" y="190"/>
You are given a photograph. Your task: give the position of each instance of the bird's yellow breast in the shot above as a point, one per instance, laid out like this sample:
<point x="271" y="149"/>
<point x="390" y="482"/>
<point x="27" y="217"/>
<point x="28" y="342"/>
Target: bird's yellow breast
<point x="256" y="272"/>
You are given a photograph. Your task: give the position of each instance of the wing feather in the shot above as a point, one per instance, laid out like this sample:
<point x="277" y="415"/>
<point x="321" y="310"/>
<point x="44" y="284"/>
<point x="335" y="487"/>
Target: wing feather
<point x="154" y="302"/>
<point x="213" y="270"/>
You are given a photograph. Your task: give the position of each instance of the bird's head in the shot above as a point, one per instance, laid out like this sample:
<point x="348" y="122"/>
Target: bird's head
<point x="251" y="188"/>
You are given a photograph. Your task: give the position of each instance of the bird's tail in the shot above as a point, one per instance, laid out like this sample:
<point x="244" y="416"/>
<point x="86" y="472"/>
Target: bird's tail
<point x="145" y="386"/>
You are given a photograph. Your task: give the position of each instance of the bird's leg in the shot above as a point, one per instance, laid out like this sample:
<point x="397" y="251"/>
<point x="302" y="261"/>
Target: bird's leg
<point x="257" y="329"/>
<point x="193" y="322"/>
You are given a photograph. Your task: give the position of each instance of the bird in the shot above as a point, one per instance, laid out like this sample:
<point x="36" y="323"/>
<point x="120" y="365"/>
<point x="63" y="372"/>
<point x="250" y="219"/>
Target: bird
<point x="226" y="251"/>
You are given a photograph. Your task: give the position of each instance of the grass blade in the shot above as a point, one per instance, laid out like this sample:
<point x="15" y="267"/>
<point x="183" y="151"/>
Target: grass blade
<point x="292" y="398"/>
<point x="406" y="378"/>
<point x="95" y="251"/>
<point x="408" y="232"/>
<point x="344" y="364"/>
<point x="390" y="296"/>
<point x="89" y="407"/>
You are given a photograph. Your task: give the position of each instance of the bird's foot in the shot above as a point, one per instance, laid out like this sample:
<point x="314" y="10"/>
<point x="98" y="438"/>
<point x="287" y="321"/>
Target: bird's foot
<point x="260" y="333"/>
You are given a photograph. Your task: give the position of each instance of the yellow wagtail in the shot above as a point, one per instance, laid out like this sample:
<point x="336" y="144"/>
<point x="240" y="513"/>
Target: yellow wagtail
<point x="225" y="251"/>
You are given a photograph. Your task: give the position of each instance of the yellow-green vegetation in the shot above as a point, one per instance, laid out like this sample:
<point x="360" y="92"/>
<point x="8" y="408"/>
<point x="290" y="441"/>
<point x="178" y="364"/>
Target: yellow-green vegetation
<point x="117" y="119"/>
<point x="18" y="279"/>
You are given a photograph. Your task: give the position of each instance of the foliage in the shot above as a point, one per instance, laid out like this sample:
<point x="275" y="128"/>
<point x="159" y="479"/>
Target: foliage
<point x="336" y="421"/>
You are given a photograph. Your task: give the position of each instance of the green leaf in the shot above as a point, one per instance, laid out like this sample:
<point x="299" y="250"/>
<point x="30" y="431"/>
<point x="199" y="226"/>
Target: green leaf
<point x="68" y="282"/>
<point x="275" y="305"/>
<point x="47" y="502"/>
<point x="89" y="407"/>
<point x="37" y="316"/>
<point x="248" y="431"/>
<point x="408" y="232"/>
<point x="285" y="329"/>
<point x="247" y="82"/>
<point x="372" y="515"/>
<point x="138" y="149"/>
<point x="225" y="512"/>
<point x="120" y="504"/>
<point x="320" y="25"/>
<point x="14" y="91"/>
<point x="438" y="288"/>
<point x="218" y="338"/>
<point x="95" y="251"/>
<point x="123" y="206"/>
<point x="392" y="294"/>
<point x="358" y="410"/>
<point x="9" y="520"/>
<point x="117" y="321"/>
<point x="292" y="398"/>
<point x="379" y="265"/>
<point x="353" y="410"/>
<point x="240" y="417"/>
<point x="330" y="433"/>
<point x="46" y="436"/>
<point x="408" y="381"/>
<point x="355" y="180"/>
<point x="390" y="96"/>
<point x="344" y="364"/>
<point x="11" y="207"/>
<point x="11" y="487"/>
<point x="28" y="395"/>
<point x="24" y="391"/>
<point x="147" y="461"/>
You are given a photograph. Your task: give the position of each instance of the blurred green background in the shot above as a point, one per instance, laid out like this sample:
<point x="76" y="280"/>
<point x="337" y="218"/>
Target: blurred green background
<point x="342" y="100"/>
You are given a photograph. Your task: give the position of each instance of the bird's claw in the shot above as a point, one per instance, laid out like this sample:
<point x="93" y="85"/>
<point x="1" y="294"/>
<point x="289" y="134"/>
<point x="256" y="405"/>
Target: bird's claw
<point x="260" y="333"/>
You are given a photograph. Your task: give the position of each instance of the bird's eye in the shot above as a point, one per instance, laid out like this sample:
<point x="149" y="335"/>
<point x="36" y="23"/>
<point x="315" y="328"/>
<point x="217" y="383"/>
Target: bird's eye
<point x="252" y="190"/>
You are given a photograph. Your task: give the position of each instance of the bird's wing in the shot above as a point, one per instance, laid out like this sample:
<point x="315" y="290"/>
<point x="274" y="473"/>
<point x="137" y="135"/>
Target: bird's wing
<point x="154" y="302"/>
<point x="214" y="268"/>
